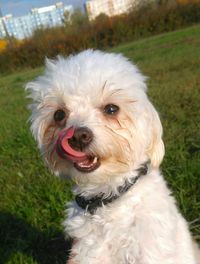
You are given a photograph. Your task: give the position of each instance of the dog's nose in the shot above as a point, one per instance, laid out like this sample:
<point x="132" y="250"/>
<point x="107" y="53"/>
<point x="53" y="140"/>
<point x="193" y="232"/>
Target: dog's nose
<point x="82" y="137"/>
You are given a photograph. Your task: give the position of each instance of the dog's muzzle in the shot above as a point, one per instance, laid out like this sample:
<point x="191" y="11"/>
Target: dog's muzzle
<point x="70" y="145"/>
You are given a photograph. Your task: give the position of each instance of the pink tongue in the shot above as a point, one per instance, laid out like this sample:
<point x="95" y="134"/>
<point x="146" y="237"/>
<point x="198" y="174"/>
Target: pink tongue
<point x="63" y="139"/>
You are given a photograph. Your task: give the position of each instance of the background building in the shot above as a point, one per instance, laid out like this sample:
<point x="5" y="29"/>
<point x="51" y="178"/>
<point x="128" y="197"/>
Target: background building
<point x="109" y="7"/>
<point x="22" y="27"/>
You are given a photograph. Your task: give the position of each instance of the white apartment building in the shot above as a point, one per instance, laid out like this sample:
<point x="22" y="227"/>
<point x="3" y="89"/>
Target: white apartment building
<point x="109" y="7"/>
<point x="43" y="17"/>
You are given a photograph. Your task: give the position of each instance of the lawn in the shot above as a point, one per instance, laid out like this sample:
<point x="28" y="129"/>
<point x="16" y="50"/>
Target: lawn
<point x="32" y="201"/>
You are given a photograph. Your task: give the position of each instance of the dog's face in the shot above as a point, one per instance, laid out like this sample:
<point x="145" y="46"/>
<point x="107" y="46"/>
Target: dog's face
<point x="92" y="119"/>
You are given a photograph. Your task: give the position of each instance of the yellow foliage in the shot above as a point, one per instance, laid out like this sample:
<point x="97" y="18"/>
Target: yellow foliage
<point x="3" y="44"/>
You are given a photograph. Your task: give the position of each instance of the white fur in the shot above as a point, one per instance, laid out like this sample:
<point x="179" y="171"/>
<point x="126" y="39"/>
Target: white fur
<point x="143" y="226"/>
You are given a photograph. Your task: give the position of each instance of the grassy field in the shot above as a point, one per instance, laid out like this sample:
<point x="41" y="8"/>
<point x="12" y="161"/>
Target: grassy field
<point x="32" y="201"/>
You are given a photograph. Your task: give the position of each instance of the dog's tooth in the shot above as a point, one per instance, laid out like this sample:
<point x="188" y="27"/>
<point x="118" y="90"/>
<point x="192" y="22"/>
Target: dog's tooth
<point x="95" y="160"/>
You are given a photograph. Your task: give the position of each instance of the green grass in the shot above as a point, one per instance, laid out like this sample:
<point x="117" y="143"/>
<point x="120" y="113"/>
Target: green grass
<point x="32" y="201"/>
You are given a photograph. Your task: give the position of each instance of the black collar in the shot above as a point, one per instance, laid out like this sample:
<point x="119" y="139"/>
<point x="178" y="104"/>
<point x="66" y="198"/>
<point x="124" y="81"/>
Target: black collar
<point x="93" y="203"/>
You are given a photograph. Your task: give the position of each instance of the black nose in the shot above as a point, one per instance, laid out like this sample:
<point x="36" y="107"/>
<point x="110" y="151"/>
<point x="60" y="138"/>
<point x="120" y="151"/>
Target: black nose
<point x="82" y="137"/>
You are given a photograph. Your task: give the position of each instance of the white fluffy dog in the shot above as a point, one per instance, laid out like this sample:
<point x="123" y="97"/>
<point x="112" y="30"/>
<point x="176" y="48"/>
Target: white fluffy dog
<point x="94" y="123"/>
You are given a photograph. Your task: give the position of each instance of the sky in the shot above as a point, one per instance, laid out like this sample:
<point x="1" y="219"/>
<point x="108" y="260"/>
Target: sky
<point x="22" y="7"/>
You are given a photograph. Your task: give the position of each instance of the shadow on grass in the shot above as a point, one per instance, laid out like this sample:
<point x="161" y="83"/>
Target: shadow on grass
<point x="17" y="236"/>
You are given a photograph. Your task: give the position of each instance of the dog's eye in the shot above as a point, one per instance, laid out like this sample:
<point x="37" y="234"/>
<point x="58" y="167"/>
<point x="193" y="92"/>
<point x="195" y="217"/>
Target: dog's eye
<point x="111" y="109"/>
<point x="59" y="115"/>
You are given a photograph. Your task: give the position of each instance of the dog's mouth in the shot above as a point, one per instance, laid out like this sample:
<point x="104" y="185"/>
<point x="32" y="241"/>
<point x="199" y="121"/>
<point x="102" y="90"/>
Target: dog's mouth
<point x="82" y="161"/>
<point x="89" y="164"/>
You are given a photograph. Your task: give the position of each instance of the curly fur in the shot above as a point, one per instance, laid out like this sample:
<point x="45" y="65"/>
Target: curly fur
<point x="143" y="226"/>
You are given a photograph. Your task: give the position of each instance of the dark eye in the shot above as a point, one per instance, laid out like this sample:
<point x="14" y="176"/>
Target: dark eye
<point x="111" y="109"/>
<point x="59" y="115"/>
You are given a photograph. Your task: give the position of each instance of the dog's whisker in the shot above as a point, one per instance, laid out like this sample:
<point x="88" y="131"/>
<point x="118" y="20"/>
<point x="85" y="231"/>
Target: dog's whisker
<point x="119" y="135"/>
<point x="116" y="91"/>
<point x="104" y="86"/>
<point x="123" y="162"/>
<point x="47" y="105"/>
<point x="131" y="101"/>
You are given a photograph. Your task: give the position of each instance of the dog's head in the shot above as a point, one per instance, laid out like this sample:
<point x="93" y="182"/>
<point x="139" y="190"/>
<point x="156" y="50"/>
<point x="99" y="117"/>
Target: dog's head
<point x="92" y="119"/>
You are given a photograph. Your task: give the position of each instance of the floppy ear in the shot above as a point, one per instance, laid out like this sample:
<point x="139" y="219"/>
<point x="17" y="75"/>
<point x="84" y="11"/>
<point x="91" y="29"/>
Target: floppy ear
<point x="35" y="94"/>
<point x="36" y="90"/>
<point x="156" y="148"/>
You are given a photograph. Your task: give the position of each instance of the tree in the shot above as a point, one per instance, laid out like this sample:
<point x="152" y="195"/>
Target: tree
<point x="76" y="19"/>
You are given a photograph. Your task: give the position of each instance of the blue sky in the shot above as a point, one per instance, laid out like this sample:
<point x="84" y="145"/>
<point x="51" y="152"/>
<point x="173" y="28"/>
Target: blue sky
<point x="22" y="7"/>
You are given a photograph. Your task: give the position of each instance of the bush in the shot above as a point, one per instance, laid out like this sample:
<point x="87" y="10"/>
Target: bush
<point x="79" y="33"/>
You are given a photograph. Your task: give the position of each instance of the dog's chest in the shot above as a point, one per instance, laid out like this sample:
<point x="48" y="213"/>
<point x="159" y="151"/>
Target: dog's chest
<point x="108" y="231"/>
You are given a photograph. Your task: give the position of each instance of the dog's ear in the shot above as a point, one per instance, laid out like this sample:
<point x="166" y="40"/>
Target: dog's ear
<point x="35" y="93"/>
<point x="36" y="89"/>
<point x="156" y="148"/>
<point x="38" y="92"/>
